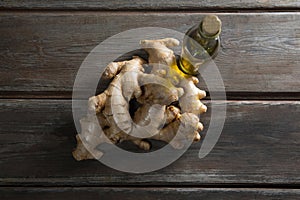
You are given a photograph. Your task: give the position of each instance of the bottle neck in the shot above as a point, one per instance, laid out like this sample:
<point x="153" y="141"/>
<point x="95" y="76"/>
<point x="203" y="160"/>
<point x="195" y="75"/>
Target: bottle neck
<point x="210" y="43"/>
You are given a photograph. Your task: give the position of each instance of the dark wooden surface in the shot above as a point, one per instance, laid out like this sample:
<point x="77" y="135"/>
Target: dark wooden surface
<point x="259" y="51"/>
<point x="55" y="193"/>
<point x="42" y="46"/>
<point x="150" y="5"/>
<point x="37" y="137"/>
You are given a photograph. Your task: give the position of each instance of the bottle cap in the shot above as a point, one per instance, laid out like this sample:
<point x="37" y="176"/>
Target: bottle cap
<point x="211" y="26"/>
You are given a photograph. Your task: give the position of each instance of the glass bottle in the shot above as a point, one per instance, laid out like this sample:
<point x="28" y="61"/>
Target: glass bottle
<point x="200" y="44"/>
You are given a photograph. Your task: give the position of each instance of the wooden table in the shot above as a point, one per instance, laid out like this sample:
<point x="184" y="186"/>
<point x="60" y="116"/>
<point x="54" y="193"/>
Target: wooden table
<point x="42" y="46"/>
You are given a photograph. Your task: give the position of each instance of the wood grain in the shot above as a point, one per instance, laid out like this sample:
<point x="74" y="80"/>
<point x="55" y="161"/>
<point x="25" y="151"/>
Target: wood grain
<point x="147" y="193"/>
<point x="149" y="5"/>
<point x="42" y="51"/>
<point x="42" y="46"/>
<point x="259" y="145"/>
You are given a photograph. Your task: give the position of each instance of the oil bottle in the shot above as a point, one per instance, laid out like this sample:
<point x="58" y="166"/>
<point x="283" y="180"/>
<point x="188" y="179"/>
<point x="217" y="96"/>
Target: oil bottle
<point x="200" y="44"/>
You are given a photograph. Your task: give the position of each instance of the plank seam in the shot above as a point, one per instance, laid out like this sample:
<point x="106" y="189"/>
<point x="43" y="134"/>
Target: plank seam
<point x="67" y="95"/>
<point x="162" y="10"/>
<point x="227" y="186"/>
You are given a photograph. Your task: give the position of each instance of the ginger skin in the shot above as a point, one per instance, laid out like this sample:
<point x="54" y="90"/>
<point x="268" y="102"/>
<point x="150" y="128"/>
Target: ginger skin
<point x="155" y="118"/>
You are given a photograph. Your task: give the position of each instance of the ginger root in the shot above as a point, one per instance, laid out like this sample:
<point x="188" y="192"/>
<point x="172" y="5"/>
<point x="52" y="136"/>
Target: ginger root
<point x="166" y="100"/>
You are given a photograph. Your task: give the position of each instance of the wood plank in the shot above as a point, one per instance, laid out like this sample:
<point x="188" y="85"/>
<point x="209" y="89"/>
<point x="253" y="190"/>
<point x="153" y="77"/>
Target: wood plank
<point x="146" y="193"/>
<point x="42" y="51"/>
<point x="259" y="145"/>
<point x="147" y="5"/>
